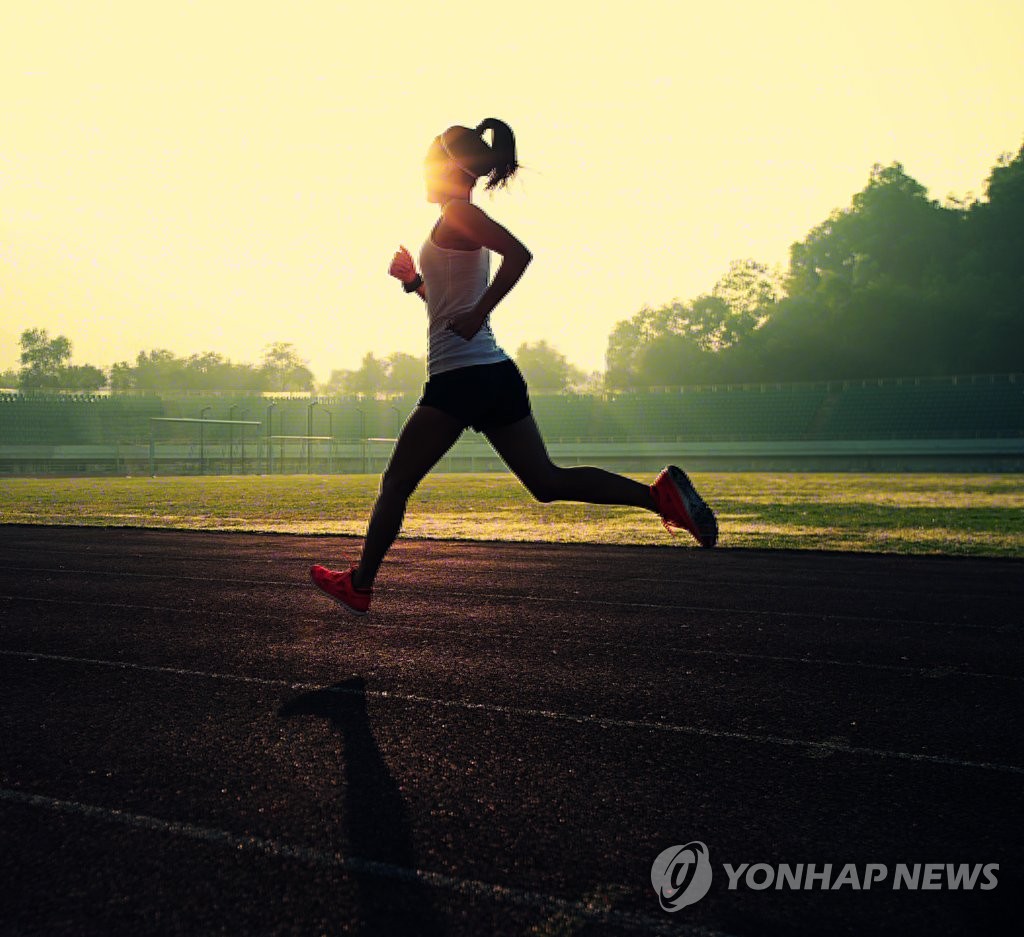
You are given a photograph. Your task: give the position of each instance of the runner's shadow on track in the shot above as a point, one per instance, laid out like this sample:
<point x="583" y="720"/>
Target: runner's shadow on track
<point x="391" y="898"/>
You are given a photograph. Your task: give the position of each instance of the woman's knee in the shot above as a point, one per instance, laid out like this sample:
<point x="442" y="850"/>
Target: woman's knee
<point x="398" y="484"/>
<point x="546" y="486"/>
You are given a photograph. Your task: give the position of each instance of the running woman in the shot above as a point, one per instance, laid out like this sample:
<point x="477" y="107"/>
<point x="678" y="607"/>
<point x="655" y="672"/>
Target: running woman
<point x="471" y="382"/>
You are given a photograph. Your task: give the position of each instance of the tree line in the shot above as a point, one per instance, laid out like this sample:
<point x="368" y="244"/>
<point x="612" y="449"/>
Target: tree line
<point x="894" y="285"/>
<point x="46" y="367"/>
<point x="544" y="366"/>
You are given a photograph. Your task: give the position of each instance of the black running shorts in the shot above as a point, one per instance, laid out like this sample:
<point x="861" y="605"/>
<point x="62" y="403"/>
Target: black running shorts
<point x="483" y="396"/>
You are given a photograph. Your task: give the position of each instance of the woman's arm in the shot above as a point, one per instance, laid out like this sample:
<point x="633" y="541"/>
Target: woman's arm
<point x="476" y="226"/>
<point x="403" y="268"/>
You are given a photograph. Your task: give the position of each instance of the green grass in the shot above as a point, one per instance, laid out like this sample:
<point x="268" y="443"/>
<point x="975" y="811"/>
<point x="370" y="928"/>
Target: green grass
<point x="948" y="514"/>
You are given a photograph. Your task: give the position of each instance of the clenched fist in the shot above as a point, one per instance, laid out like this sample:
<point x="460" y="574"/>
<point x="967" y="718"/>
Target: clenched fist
<point x="402" y="266"/>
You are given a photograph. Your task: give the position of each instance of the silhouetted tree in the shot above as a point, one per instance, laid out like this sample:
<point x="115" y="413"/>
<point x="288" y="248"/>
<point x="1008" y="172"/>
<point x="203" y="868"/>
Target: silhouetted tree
<point x="45" y="365"/>
<point x="82" y="377"/>
<point x="338" y="382"/>
<point x="546" y="368"/>
<point x="675" y="344"/>
<point x="674" y="359"/>
<point x="895" y="284"/>
<point x="160" y="369"/>
<point x="42" y="359"/>
<point x="405" y="373"/>
<point x="369" y="378"/>
<point x="750" y="289"/>
<point x="283" y="370"/>
<point x="620" y="359"/>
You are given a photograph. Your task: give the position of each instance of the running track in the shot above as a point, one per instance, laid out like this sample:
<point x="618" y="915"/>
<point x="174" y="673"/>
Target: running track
<point x="194" y="741"/>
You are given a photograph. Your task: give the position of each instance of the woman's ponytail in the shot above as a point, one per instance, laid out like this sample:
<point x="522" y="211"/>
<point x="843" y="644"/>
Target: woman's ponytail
<point x="503" y="148"/>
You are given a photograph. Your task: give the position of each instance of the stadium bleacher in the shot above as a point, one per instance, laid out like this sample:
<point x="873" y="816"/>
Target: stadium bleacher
<point x="75" y="418"/>
<point x="961" y="408"/>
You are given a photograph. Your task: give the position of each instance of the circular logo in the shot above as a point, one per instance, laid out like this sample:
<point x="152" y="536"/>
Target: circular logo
<point x="681" y="875"/>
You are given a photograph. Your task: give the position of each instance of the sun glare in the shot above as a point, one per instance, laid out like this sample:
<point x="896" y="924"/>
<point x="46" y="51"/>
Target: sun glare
<point x="218" y="177"/>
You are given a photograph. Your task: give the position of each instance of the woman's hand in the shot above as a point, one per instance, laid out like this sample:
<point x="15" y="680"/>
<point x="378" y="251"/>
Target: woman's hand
<point x="465" y="324"/>
<point x="402" y="266"/>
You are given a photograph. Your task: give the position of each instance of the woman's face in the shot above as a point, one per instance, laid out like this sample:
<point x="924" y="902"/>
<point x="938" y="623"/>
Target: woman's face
<point x="436" y="178"/>
<point x="444" y="180"/>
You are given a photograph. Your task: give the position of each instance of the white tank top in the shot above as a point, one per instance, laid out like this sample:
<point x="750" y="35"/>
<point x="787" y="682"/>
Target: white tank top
<point x="455" y="280"/>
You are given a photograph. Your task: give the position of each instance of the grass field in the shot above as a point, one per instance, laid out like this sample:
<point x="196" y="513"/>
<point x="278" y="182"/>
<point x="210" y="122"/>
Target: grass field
<point x="907" y="513"/>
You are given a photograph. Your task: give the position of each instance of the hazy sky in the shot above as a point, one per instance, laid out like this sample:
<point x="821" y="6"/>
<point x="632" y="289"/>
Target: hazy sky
<point x="219" y="175"/>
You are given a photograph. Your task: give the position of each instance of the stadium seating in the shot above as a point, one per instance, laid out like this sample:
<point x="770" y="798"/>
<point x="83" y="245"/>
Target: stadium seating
<point x="978" y="407"/>
<point x="75" y="419"/>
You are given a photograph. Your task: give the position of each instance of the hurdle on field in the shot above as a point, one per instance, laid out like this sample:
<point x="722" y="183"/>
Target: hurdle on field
<point x="308" y="440"/>
<point x="202" y="442"/>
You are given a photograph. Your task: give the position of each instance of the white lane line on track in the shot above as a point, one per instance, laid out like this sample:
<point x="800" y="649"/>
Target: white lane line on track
<point x="309" y="855"/>
<point x="516" y="597"/>
<point x="934" y="671"/>
<point x="824" y="747"/>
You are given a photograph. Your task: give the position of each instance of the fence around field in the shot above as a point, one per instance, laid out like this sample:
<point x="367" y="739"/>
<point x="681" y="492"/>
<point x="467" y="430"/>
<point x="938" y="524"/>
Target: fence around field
<point x="963" y="423"/>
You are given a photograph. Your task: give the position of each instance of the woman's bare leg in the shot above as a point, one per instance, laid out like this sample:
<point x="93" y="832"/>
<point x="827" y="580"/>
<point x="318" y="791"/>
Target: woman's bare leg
<point x="427" y="435"/>
<point x="523" y="451"/>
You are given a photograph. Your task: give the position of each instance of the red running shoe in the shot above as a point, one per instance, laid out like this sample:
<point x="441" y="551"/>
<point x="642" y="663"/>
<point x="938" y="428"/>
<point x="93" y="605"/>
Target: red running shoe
<point x="338" y="585"/>
<point x="681" y="508"/>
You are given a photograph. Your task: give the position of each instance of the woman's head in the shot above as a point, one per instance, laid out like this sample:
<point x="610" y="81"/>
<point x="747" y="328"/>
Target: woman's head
<point x="460" y="156"/>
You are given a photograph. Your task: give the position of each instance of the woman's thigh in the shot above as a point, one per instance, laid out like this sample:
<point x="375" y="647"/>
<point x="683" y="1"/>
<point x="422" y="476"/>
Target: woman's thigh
<point x="426" y="436"/>
<point x="522" y="449"/>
